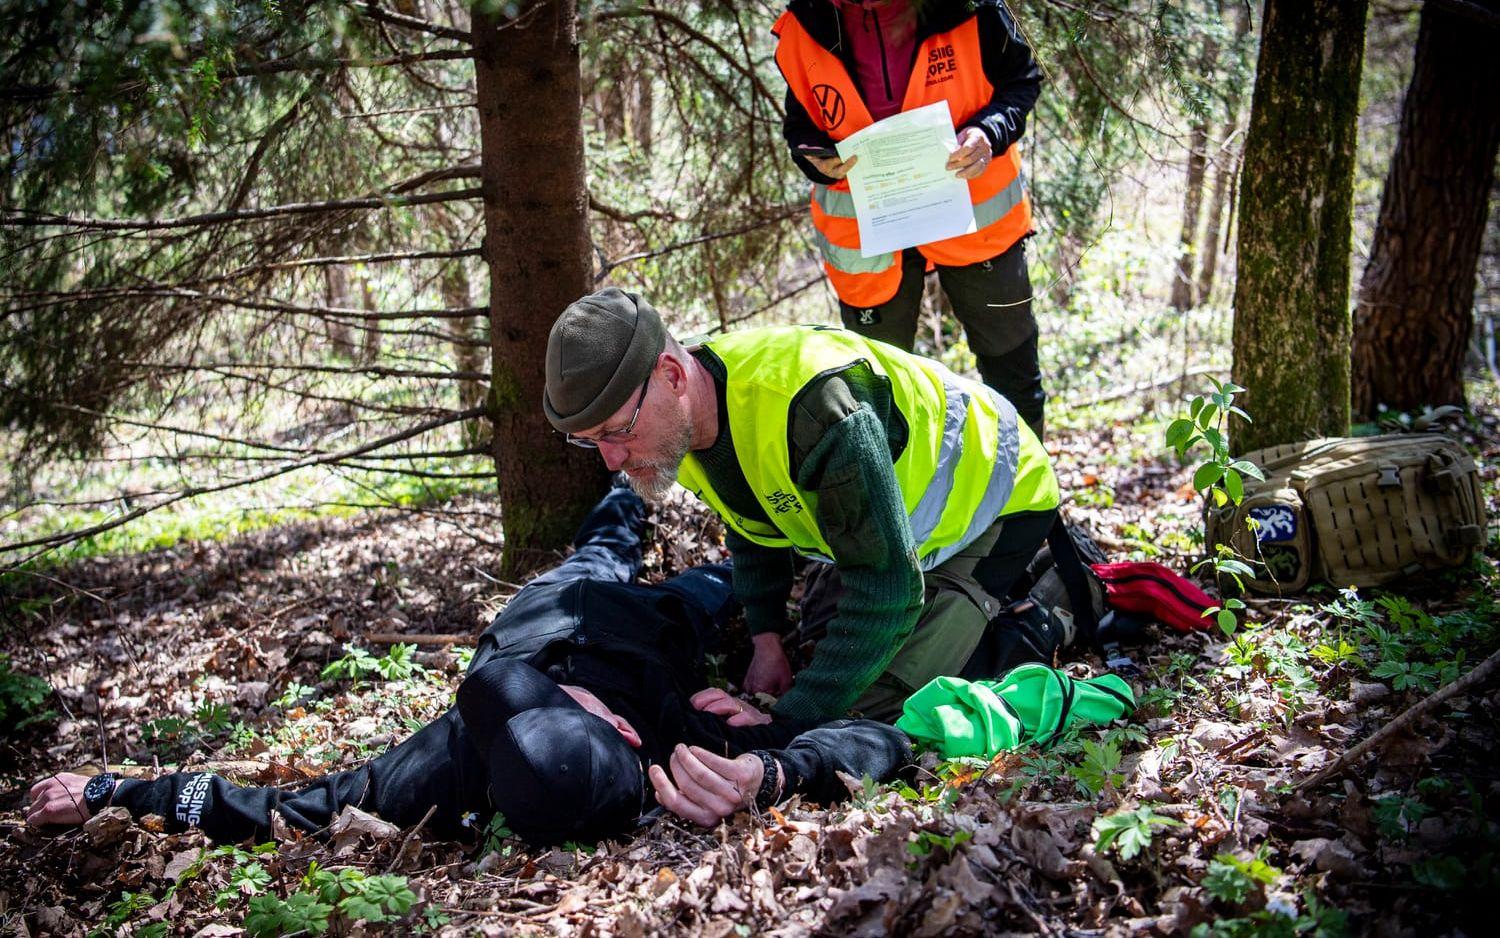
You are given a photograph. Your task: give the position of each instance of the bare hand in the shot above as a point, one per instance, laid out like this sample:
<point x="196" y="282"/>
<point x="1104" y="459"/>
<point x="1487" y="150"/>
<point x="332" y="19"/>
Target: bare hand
<point x="734" y="711"/>
<point x="832" y="165"/>
<point x="59" y="800"/>
<point x="770" y="672"/>
<point x="973" y="154"/>
<point x="705" y="788"/>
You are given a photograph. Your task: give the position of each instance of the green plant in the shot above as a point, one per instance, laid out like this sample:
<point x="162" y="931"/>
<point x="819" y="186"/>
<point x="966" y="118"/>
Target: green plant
<point x="1128" y="832"/>
<point x="494" y="836"/>
<point x="330" y="898"/>
<point x="293" y="694"/>
<point x="1097" y="771"/>
<point x="1396" y="815"/>
<point x="1319" y="921"/>
<point x="21" y="698"/>
<point x="1220" y="478"/>
<point x="395" y="665"/>
<point x="298" y="913"/>
<point x="1235" y="881"/>
<point x="929" y="841"/>
<point x="247" y="879"/>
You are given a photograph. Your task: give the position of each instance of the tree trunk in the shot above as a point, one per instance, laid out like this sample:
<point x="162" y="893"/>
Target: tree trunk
<point x="1192" y="199"/>
<point x="1416" y="299"/>
<point x="643" y="112"/>
<point x="336" y="296"/>
<point x="1226" y="164"/>
<point x="369" y="345"/>
<point x="537" y="247"/>
<point x="1291" y="301"/>
<point x="1192" y="202"/>
<point x="466" y="355"/>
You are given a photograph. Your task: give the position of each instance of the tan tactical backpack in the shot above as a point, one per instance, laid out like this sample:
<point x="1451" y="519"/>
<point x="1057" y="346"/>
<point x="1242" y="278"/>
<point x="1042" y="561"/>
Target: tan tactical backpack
<point x="1354" y="511"/>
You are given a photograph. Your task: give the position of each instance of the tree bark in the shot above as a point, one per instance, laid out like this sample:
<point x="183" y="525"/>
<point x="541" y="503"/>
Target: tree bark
<point x="1192" y="203"/>
<point x="1416" y="298"/>
<point x="1192" y="199"/>
<point x="1291" y="301"/>
<point x="1226" y="164"/>
<point x="536" y="245"/>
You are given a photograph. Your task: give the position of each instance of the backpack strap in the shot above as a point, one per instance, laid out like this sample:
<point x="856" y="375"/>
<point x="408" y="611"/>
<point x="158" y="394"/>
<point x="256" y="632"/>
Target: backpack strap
<point x="1075" y="579"/>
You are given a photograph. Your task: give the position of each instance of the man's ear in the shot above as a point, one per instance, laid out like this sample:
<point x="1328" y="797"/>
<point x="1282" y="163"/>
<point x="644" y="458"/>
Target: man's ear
<point x="673" y="373"/>
<point x="626" y="730"/>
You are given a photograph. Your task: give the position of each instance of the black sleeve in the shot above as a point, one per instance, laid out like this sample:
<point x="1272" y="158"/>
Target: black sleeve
<point x="710" y="731"/>
<point x="1011" y="69"/>
<point x="857" y="748"/>
<point x="799" y="130"/>
<point x="436" y="767"/>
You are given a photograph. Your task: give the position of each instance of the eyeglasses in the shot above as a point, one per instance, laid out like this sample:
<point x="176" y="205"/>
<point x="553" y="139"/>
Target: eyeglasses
<point x="614" y="436"/>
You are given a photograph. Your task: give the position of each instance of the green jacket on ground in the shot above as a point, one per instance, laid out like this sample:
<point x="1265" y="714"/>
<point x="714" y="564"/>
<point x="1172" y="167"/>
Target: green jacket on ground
<point x="1031" y="704"/>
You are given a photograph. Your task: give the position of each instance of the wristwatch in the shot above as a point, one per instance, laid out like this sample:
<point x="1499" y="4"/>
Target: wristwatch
<point x="99" y="790"/>
<point x="770" y="781"/>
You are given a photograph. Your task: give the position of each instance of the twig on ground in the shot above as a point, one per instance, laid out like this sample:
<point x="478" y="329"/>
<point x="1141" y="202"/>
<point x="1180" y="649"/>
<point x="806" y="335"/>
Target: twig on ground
<point x="1476" y="677"/>
<point x="399" y="638"/>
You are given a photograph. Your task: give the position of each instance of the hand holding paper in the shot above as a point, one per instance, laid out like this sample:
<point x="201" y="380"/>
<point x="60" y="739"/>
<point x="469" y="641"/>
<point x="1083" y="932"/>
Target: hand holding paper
<point x="904" y="191"/>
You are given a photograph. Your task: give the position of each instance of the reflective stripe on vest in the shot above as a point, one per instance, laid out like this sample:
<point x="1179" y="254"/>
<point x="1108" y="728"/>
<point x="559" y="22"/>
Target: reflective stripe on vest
<point x="948" y="67"/>
<point x="954" y="484"/>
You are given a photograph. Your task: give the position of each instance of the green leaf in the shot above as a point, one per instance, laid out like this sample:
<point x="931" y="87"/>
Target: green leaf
<point x="1234" y="486"/>
<point x="1207" y="475"/>
<point x="1129" y="832"/>
<point x="1227" y="622"/>
<point x="1246" y="467"/>
<point x="1178" y="432"/>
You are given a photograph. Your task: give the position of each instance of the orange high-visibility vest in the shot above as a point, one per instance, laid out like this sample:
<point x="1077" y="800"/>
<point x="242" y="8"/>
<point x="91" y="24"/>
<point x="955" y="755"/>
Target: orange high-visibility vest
<point x="948" y="68"/>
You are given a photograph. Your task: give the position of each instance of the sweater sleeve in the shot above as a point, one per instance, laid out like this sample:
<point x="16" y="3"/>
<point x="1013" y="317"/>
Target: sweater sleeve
<point x="1012" y="71"/>
<point x="798" y="129"/>
<point x="762" y="582"/>
<point x="862" y="519"/>
<point x="437" y="767"/>
<point x="858" y="748"/>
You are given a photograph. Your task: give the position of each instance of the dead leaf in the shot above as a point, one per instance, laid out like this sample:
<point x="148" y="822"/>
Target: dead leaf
<point x="107" y="827"/>
<point x="352" y="824"/>
<point x="180" y="862"/>
<point x="1040" y="849"/>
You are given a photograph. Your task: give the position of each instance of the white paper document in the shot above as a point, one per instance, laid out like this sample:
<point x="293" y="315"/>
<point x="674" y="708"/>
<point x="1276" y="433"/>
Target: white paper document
<point x="904" y="194"/>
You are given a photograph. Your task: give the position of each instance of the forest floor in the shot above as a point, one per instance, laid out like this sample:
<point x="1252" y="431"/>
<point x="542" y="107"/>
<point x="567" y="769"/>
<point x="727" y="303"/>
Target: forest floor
<point x="1188" y="815"/>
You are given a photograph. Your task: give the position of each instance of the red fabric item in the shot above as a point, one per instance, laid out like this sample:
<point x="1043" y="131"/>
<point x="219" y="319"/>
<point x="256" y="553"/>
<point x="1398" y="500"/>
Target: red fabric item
<point x="1153" y="590"/>
<point x="882" y="41"/>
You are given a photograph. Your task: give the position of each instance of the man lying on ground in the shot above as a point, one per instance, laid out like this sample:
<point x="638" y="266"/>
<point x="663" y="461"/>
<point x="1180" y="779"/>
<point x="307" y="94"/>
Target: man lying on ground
<point x="584" y="687"/>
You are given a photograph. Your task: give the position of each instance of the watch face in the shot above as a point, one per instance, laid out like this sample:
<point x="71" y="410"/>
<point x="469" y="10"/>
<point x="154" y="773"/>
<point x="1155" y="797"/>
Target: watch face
<point x="99" y="788"/>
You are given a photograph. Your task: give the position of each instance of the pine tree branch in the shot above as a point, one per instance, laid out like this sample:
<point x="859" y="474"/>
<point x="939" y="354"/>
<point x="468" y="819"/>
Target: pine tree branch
<point x="25" y="219"/>
<point x="392" y="18"/>
<point x="687" y="28"/>
<point x="53" y="541"/>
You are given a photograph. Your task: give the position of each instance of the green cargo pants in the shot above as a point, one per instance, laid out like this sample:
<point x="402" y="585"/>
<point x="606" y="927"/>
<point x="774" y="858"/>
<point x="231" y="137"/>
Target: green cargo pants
<point x="956" y="609"/>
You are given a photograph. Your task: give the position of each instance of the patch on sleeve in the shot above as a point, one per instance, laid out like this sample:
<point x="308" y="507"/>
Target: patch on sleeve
<point x="1276" y="523"/>
<point x="193" y="798"/>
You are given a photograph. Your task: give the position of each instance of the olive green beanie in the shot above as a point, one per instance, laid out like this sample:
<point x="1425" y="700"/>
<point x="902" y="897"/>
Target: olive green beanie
<point x="599" y="353"/>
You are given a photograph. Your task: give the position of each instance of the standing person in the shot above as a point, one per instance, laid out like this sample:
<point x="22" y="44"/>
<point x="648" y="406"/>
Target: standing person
<point x="849" y="63"/>
<point x="923" y="488"/>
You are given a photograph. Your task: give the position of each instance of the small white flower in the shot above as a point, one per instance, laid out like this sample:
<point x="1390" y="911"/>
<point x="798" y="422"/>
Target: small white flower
<point x="468" y="818"/>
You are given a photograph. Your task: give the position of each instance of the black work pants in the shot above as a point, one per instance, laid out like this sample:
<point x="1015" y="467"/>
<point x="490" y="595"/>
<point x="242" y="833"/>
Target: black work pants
<point x="992" y="300"/>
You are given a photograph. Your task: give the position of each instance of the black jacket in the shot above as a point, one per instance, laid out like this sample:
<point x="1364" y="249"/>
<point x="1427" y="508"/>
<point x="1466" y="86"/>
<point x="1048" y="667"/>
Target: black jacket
<point x="636" y="647"/>
<point x="1008" y="64"/>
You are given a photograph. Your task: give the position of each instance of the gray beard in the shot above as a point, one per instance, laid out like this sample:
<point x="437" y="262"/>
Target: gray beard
<point x="665" y="465"/>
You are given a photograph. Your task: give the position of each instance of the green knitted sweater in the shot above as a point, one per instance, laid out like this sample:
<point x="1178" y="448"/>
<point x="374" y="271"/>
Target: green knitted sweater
<point x="845" y="435"/>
